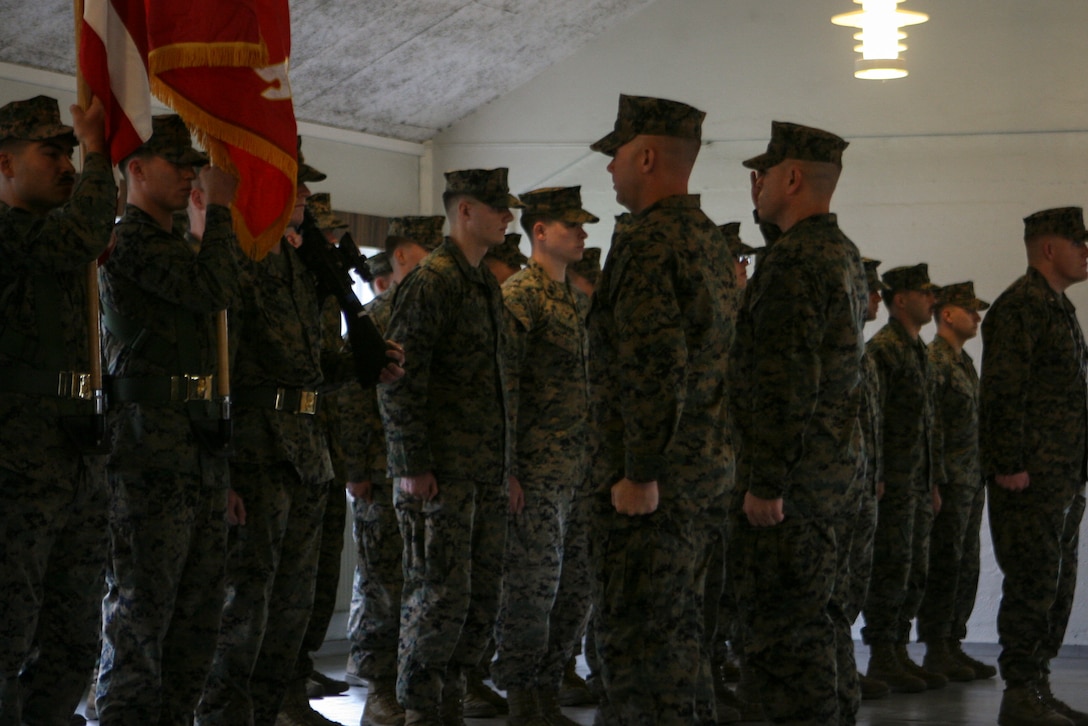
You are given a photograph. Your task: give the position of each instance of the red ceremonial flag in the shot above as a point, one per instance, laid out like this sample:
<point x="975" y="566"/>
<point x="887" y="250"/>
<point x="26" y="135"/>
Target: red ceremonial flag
<point x="113" y="62"/>
<point x="222" y="66"/>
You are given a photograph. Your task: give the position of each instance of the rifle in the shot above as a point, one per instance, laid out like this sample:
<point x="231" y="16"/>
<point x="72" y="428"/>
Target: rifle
<point x="330" y="265"/>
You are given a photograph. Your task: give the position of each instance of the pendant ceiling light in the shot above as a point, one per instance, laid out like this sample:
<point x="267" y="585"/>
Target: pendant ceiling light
<point x="880" y="22"/>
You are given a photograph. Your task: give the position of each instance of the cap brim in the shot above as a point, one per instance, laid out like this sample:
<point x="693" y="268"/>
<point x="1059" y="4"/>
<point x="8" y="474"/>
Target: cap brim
<point x="188" y="157"/>
<point x="578" y="216"/>
<point x="307" y="173"/>
<point x="763" y="162"/>
<point x="609" y="144"/>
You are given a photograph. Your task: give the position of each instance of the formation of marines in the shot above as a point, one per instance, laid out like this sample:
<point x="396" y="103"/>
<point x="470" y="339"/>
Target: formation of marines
<point x="659" y="455"/>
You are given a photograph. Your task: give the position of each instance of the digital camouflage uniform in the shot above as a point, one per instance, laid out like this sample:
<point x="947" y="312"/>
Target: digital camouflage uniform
<point x="660" y="326"/>
<point x="861" y="543"/>
<point x="905" y="513"/>
<point x="1033" y="419"/>
<point x="281" y="469"/>
<point x="167" y="490"/>
<point x="954" y="542"/>
<point x="538" y="619"/>
<point x="448" y="415"/>
<point x="797" y="394"/>
<point x="374" y="619"/>
<point x="167" y="483"/>
<point x="53" y="519"/>
<point x="331" y="419"/>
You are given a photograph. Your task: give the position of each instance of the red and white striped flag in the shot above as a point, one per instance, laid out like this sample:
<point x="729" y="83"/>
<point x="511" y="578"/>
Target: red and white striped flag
<point x="113" y="47"/>
<point x="222" y="66"/>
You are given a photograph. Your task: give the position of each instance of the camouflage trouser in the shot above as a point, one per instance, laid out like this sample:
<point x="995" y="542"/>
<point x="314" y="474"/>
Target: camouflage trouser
<point x="900" y="563"/>
<point x="576" y="582"/>
<point x="453" y="548"/>
<point x="861" y="555"/>
<point x="953" y="564"/>
<point x="52" y="558"/>
<point x="374" y="620"/>
<point x="328" y="578"/>
<point x="652" y="573"/>
<point x="531" y="649"/>
<point x="271" y="570"/>
<point x="791" y="583"/>
<point x="1036" y="535"/>
<point x="168" y="537"/>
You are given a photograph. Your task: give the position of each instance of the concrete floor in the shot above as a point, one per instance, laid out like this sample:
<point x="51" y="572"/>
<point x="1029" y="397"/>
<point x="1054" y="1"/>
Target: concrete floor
<point x="970" y="703"/>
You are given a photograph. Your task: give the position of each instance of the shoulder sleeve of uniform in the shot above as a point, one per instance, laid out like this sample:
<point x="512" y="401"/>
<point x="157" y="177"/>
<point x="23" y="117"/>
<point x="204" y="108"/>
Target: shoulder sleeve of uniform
<point x="1008" y="337"/>
<point x="420" y="317"/>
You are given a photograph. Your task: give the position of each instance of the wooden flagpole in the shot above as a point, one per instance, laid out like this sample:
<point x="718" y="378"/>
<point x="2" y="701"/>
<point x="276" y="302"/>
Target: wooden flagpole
<point x="94" y="339"/>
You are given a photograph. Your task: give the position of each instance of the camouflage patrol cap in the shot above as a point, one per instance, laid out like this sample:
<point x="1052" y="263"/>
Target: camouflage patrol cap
<point x="1065" y="222"/>
<point x="804" y="143"/>
<point x="320" y="205"/>
<point x="589" y="266"/>
<point x="563" y="204"/>
<point x="509" y="252"/>
<point x="737" y="248"/>
<point x="34" y="119"/>
<point x="170" y="139"/>
<point x="909" y="278"/>
<point x="871" y="275"/>
<point x="379" y="266"/>
<point x="307" y="173"/>
<point x="424" y="231"/>
<point x="962" y="295"/>
<point x="486" y="185"/>
<point x="654" y="116"/>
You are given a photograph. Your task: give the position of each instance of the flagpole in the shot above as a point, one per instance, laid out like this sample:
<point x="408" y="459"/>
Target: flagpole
<point x="94" y="340"/>
<point x="223" y="377"/>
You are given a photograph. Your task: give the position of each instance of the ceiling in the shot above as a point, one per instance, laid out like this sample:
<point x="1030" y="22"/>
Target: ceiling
<point x="402" y="69"/>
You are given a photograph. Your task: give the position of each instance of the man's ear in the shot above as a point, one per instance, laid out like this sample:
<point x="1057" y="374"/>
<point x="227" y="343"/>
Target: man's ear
<point x="7" y="164"/>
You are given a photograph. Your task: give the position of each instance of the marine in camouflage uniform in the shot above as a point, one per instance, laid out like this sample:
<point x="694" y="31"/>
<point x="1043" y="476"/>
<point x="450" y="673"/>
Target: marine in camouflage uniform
<point x="905" y="512"/>
<point x="795" y="388"/>
<point x="168" y="477"/>
<point x="954" y="541"/>
<point x="447" y="440"/>
<point x="721" y="614"/>
<point x="331" y="419"/>
<point x="281" y="470"/>
<point x="861" y="542"/>
<point x="546" y="583"/>
<point x="660" y="326"/>
<point x="1034" y="433"/>
<point x="53" y="518"/>
<point x="374" y="618"/>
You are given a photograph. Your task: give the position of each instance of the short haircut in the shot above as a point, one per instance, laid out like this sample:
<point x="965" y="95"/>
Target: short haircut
<point x="889" y="296"/>
<point x="138" y="154"/>
<point x="393" y="242"/>
<point x="528" y="221"/>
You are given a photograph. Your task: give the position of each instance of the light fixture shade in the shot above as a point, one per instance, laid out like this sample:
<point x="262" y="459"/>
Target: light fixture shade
<point x="882" y="69"/>
<point x="880" y="22"/>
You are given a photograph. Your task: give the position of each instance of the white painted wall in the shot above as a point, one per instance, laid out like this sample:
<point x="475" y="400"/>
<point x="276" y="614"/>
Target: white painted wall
<point x="938" y="172"/>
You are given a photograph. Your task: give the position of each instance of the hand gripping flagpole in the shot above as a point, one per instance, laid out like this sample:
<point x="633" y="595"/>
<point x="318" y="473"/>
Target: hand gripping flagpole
<point x="94" y="339"/>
